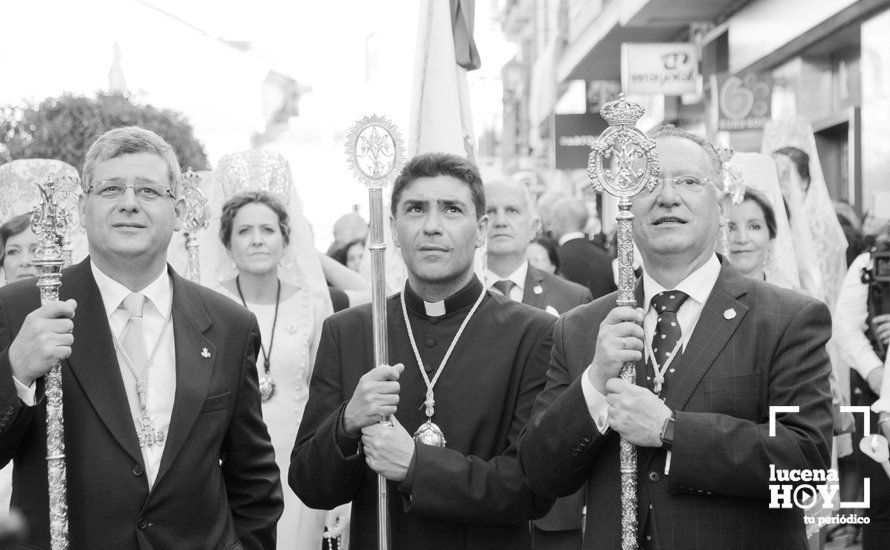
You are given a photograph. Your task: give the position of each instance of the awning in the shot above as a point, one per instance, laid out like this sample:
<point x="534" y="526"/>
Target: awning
<point x="596" y="54"/>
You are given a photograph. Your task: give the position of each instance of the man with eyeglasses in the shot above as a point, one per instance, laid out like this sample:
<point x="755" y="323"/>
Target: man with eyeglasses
<point x="164" y="437"/>
<point x="714" y="351"/>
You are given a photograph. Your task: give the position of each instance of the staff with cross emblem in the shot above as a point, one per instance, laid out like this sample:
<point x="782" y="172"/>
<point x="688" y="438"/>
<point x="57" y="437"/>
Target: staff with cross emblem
<point x="713" y="351"/>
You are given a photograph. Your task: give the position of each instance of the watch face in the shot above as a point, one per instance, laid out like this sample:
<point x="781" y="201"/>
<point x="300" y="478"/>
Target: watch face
<point x="667" y="432"/>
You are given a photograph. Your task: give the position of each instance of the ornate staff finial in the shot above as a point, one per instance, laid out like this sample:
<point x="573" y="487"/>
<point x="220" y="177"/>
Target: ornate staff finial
<point x="623" y="162"/>
<point x="197" y="218"/>
<point x="49" y="221"/>
<point x="630" y="153"/>
<point x="375" y="151"/>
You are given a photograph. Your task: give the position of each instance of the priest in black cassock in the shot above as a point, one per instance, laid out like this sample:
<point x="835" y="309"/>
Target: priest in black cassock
<point x="466" y="368"/>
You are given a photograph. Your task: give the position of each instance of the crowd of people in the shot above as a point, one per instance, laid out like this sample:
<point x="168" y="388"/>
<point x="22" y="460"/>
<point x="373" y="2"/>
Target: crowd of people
<point x="243" y="409"/>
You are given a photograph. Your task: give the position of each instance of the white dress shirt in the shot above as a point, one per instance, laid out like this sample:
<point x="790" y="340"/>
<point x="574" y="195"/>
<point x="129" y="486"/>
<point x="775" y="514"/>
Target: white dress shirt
<point x="517" y="277"/>
<point x="849" y="325"/>
<point x="162" y="373"/>
<point x="698" y="285"/>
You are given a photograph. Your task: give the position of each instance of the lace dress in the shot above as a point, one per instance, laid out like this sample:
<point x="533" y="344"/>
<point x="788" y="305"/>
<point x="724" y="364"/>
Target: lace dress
<point x="293" y="354"/>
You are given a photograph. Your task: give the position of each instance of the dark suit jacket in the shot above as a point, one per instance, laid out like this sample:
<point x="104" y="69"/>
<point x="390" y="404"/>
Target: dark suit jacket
<point x="754" y="346"/>
<point x="217" y="484"/>
<point x="469" y="495"/>
<point x="543" y="289"/>
<point x="585" y="263"/>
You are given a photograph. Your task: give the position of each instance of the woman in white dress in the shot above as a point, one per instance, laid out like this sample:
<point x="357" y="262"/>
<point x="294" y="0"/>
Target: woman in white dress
<point x="271" y="267"/>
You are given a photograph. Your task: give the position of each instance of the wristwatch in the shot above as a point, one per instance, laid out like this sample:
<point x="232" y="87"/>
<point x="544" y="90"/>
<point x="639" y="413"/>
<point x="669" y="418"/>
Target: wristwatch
<point x="667" y="432"/>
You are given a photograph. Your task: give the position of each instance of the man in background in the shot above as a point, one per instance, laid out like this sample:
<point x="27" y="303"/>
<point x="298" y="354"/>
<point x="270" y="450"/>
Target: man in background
<point x="581" y="261"/>
<point x="512" y="225"/>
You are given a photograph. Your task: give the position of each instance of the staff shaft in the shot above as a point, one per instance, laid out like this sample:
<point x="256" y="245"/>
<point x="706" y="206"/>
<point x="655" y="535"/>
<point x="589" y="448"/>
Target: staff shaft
<point x="377" y="248"/>
<point x="49" y="281"/>
<point x="627" y="452"/>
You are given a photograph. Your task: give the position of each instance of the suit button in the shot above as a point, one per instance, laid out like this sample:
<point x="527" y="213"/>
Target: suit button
<point x="138" y="470"/>
<point x="654" y="477"/>
<point x="430" y="342"/>
<point x="142" y="523"/>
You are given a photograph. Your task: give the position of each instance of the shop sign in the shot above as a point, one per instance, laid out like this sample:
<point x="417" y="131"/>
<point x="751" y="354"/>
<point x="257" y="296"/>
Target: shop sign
<point x="574" y="135"/>
<point x="743" y="101"/>
<point x="669" y="68"/>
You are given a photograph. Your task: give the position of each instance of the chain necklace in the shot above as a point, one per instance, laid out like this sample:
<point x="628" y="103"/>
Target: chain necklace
<point x="148" y="435"/>
<point x="661" y="370"/>
<point x="429" y="433"/>
<point x="267" y="384"/>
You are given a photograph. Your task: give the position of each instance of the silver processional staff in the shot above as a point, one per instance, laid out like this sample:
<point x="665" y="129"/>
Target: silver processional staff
<point x="49" y="221"/>
<point x="375" y="153"/>
<point x="622" y="163"/>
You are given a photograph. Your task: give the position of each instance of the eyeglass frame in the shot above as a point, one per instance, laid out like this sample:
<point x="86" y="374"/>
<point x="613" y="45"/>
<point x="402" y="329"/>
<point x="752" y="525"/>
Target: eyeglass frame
<point x="167" y="191"/>
<point x="659" y="183"/>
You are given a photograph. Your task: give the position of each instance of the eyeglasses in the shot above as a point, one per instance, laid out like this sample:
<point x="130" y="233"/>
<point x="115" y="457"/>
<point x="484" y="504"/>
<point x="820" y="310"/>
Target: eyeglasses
<point x="683" y="184"/>
<point x="110" y="190"/>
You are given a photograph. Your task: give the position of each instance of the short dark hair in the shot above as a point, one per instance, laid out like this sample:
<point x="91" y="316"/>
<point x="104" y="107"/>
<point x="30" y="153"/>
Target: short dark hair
<point x="769" y="214"/>
<point x="232" y="206"/>
<point x="430" y="165"/>
<point x="799" y="158"/>
<point x="550" y="246"/>
<point x="13" y="226"/>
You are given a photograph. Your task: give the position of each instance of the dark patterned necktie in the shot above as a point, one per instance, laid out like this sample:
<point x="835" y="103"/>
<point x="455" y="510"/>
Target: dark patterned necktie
<point x="667" y="332"/>
<point x="504" y="286"/>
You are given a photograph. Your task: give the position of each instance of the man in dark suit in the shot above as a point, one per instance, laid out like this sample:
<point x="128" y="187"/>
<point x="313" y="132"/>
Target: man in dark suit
<point x="581" y="261"/>
<point x="724" y="349"/>
<point x="465" y="361"/>
<point x="512" y="226"/>
<point x="164" y="439"/>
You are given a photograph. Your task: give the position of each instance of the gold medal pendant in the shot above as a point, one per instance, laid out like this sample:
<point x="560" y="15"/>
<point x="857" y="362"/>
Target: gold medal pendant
<point x="267" y="387"/>
<point x="429" y="434"/>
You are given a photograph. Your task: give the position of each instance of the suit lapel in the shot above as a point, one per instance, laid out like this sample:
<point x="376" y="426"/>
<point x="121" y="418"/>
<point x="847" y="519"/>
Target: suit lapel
<point x="534" y="278"/>
<point x="719" y="319"/>
<point x="194" y="367"/>
<point x="93" y="360"/>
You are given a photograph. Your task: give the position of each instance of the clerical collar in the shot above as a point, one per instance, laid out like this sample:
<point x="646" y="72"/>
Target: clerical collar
<point x="460" y="300"/>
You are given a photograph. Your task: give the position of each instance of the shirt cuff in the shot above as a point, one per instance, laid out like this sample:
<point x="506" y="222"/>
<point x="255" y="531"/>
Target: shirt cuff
<point x="597" y="405"/>
<point x="348" y="444"/>
<point x="25" y="393"/>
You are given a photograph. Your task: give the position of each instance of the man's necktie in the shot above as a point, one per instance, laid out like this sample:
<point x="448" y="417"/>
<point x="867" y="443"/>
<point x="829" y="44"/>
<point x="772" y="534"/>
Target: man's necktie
<point x="133" y="340"/>
<point x="504" y="286"/>
<point x="667" y="335"/>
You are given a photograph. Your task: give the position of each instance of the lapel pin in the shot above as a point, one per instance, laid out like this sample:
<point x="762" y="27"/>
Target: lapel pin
<point x="729" y="314"/>
<point x="204" y="353"/>
<point x="537" y="289"/>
